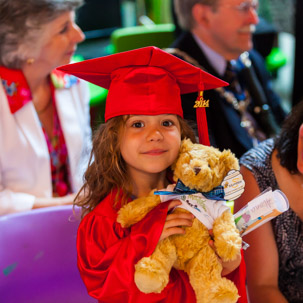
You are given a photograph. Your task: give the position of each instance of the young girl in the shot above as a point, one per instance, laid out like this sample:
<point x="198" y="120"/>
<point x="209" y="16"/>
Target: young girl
<point x="131" y="155"/>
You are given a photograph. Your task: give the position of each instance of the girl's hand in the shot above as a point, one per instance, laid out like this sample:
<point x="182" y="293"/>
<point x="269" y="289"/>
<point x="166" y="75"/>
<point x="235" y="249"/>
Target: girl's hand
<point x="228" y="266"/>
<point x="174" y="222"/>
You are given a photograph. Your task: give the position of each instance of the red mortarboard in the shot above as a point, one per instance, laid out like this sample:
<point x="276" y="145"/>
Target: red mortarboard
<point x="145" y="81"/>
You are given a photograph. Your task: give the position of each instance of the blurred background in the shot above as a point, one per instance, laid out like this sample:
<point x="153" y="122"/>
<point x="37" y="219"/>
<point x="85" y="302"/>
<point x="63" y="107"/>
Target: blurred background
<point x="112" y="26"/>
<point x="120" y="25"/>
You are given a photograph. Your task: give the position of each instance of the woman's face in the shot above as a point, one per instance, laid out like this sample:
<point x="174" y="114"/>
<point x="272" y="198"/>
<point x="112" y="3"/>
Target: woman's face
<point x="58" y="41"/>
<point x="150" y="144"/>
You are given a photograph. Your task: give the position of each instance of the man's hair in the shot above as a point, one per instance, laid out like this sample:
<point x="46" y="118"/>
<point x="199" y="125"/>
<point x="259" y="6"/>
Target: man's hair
<point x="107" y="169"/>
<point x="183" y="10"/>
<point x="287" y="142"/>
<point x="20" y="26"/>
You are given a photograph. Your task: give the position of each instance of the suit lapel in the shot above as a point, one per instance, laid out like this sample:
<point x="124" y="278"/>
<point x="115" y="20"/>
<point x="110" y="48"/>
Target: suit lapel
<point x="187" y="44"/>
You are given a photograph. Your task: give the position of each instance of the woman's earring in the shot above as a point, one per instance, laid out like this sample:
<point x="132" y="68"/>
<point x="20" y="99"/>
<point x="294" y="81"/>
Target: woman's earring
<point x="30" y="61"/>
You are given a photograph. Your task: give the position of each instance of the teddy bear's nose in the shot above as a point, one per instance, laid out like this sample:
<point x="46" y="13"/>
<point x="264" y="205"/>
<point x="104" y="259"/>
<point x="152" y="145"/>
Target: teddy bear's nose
<point x="197" y="170"/>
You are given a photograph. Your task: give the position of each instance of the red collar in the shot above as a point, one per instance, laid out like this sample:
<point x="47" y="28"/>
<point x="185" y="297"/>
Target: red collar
<point x="17" y="90"/>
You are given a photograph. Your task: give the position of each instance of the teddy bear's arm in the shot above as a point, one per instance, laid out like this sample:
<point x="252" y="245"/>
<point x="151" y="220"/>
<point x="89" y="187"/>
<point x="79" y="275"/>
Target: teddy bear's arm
<point x="226" y="237"/>
<point x="136" y="210"/>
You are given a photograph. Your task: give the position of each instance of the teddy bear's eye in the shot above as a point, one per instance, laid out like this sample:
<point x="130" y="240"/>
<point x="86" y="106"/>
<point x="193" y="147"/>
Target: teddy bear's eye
<point x="197" y="170"/>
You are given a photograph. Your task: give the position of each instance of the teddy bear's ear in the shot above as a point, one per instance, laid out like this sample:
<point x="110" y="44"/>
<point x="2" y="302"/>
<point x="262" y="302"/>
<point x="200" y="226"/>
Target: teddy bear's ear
<point x="186" y="145"/>
<point x="229" y="159"/>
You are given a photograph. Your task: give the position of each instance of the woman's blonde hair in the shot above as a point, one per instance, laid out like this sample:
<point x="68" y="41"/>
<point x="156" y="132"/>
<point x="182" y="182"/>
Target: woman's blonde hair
<point x="107" y="169"/>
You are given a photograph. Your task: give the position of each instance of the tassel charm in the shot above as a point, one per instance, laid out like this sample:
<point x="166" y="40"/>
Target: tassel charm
<point x="201" y="102"/>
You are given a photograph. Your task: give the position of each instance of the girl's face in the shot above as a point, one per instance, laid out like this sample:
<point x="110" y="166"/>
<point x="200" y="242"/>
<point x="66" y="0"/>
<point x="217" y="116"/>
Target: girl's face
<point x="150" y="144"/>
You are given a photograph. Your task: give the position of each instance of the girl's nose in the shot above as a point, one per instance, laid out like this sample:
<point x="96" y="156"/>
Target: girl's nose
<point x="154" y="135"/>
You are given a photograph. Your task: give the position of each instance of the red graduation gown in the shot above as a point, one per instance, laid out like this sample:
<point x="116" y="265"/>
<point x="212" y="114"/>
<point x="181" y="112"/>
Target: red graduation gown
<point x="107" y="254"/>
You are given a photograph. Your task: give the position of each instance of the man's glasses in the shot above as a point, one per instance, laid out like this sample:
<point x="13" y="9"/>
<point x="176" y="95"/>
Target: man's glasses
<point x="244" y="7"/>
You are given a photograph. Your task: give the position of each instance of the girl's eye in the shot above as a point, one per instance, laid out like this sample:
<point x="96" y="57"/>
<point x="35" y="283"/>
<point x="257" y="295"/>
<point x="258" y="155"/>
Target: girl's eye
<point x="167" y="123"/>
<point x="138" y="124"/>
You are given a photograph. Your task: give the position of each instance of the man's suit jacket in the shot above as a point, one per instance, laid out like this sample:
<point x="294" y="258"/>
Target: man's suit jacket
<point x="224" y="126"/>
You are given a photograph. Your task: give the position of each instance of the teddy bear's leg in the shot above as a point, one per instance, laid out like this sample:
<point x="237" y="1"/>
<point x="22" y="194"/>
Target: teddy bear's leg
<point x="226" y="237"/>
<point x="204" y="272"/>
<point x="152" y="273"/>
<point x="136" y="210"/>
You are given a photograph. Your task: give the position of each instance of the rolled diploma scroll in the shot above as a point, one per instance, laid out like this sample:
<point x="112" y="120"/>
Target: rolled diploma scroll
<point x="260" y="210"/>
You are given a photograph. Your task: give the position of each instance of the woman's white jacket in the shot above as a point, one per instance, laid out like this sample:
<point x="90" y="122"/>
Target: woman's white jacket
<point x="24" y="158"/>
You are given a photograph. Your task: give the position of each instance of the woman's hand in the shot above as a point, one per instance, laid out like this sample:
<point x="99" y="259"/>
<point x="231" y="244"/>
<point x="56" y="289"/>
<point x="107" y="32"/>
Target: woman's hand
<point x="227" y="266"/>
<point x="47" y="202"/>
<point x="174" y="222"/>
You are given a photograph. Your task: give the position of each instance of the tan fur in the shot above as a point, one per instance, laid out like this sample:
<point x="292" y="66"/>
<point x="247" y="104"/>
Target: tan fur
<point x="191" y="252"/>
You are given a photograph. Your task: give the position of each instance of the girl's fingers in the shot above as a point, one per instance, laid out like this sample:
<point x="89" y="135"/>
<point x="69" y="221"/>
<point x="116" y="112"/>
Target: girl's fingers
<point x="173" y="204"/>
<point x="188" y="216"/>
<point x="173" y="231"/>
<point x="174" y="222"/>
<point x="178" y="222"/>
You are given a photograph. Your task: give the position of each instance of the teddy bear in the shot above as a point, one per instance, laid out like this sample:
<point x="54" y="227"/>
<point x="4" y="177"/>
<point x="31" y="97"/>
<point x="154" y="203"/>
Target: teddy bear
<point x="199" y="169"/>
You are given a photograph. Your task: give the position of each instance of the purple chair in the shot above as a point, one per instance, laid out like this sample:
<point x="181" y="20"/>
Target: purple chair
<point x="38" y="257"/>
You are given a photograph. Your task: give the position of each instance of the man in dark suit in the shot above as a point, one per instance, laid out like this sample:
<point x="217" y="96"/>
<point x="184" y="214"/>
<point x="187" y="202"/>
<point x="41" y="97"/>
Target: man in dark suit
<point x="217" y="37"/>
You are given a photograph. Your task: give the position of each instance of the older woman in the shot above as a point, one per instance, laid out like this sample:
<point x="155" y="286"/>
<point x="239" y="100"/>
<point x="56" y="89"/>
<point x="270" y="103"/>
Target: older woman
<point x="45" y="130"/>
<point x="275" y="257"/>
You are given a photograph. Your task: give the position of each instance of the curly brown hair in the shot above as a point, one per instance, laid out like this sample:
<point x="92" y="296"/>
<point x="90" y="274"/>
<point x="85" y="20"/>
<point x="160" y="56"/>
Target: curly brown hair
<point x="107" y="169"/>
<point x="286" y="143"/>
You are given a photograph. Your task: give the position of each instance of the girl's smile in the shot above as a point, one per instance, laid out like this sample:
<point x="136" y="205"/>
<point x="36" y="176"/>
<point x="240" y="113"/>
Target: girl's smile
<point x="155" y="152"/>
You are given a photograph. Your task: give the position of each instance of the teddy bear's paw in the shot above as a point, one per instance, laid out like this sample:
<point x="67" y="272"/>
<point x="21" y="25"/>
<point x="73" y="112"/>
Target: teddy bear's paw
<point x="229" y="252"/>
<point x="227" y="238"/>
<point x="224" y="291"/>
<point x="126" y="218"/>
<point x="150" y="276"/>
<point x="136" y="210"/>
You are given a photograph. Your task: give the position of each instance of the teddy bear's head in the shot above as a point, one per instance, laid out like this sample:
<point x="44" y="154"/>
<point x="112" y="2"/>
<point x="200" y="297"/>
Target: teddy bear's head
<point x="203" y="167"/>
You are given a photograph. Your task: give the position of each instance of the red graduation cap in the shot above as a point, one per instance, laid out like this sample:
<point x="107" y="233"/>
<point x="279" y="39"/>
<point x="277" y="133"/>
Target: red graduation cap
<point x="146" y="81"/>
